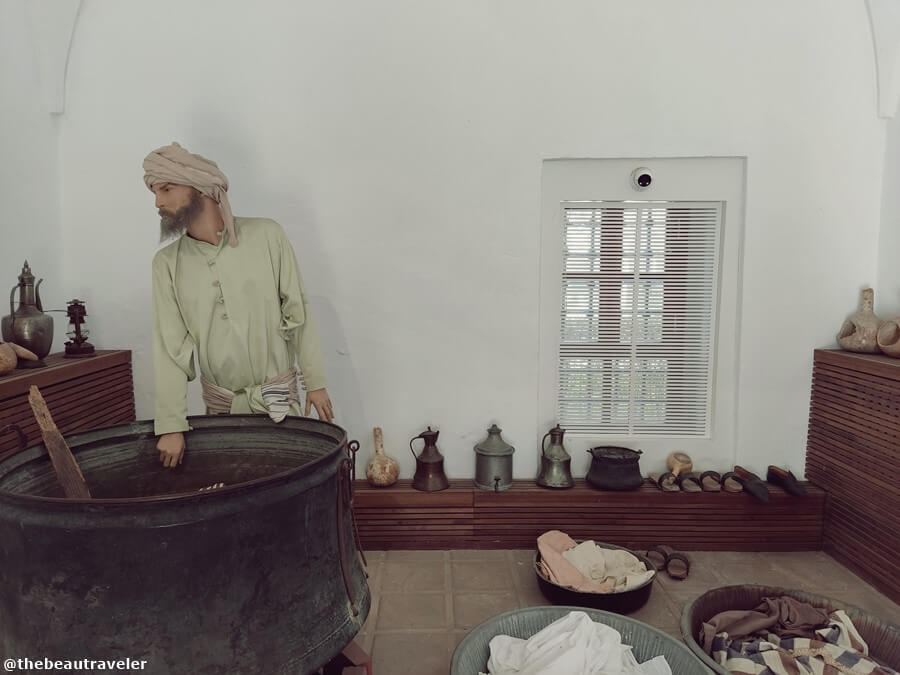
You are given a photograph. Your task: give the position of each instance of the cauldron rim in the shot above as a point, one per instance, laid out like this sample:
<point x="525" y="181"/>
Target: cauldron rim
<point x="144" y="429"/>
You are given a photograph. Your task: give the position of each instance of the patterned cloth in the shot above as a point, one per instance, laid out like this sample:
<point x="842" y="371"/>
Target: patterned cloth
<point x="836" y="648"/>
<point x="278" y="393"/>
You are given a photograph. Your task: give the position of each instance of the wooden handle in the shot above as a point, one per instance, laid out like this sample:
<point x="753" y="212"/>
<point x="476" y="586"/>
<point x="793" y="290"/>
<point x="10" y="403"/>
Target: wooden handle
<point x="64" y="464"/>
<point x="379" y="441"/>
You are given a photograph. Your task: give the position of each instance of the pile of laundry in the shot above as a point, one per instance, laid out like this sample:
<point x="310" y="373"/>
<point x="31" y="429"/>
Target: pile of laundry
<point x="571" y="645"/>
<point x="588" y="567"/>
<point x="785" y="635"/>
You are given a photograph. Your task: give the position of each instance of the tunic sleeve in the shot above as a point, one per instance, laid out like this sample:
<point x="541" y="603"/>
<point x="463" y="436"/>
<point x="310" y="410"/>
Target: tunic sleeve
<point x="173" y="354"/>
<point x="296" y="322"/>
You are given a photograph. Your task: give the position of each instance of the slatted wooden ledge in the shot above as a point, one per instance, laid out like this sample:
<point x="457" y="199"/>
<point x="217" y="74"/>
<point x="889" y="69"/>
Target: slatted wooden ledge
<point x="84" y="393"/>
<point x="464" y="516"/>
<point x="853" y="451"/>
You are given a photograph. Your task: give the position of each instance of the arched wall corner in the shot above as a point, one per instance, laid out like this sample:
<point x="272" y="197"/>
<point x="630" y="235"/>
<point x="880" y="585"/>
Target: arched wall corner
<point x="51" y="24"/>
<point x="884" y="16"/>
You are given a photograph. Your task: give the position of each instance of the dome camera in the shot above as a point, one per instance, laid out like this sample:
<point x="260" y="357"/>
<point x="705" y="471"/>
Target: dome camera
<point x="641" y="178"/>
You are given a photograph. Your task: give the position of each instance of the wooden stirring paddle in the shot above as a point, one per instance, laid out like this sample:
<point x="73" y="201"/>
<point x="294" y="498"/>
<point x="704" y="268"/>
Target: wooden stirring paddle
<point x="64" y="464"/>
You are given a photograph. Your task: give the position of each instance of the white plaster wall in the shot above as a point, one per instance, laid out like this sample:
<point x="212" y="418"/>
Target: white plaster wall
<point x="887" y="292"/>
<point x="400" y="144"/>
<point x="29" y="173"/>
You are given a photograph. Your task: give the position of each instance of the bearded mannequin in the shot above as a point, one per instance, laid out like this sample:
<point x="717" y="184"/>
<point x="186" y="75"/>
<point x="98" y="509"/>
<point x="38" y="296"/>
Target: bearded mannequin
<point x="240" y="310"/>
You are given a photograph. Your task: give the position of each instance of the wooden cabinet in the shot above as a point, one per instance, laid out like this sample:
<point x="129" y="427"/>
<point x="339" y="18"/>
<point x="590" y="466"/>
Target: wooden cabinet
<point x="82" y="394"/>
<point x="853" y="452"/>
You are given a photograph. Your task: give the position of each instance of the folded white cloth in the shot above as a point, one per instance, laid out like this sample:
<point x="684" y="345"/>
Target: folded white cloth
<point x="571" y="645"/>
<point x="608" y="565"/>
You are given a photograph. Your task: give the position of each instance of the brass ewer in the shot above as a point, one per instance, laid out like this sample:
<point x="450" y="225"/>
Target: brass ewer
<point x="556" y="469"/>
<point x="28" y="326"/>
<point x="430" y="476"/>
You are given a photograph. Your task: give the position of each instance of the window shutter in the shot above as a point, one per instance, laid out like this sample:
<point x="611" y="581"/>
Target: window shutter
<point x="638" y="318"/>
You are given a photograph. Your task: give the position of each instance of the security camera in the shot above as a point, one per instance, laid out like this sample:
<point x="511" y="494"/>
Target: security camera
<point x="641" y="178"/>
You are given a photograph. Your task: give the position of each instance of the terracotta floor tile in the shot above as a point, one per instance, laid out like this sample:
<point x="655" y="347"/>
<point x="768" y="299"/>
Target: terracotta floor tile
<point x="402" y="556"/>
<point x="471" y="609"/>
<point x="493" y="555"/>
<point x="374" y="556"/>
<point x="481" y="576"/>
<point x="411" y="610"/>
<point x="421" y="653"/>
<point x="411" y="630"/>
<point x="412" y="575"/>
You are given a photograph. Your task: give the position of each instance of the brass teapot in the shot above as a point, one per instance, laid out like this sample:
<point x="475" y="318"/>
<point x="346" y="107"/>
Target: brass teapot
<point x="28" y="326"/>
<point x="430" y="476"/>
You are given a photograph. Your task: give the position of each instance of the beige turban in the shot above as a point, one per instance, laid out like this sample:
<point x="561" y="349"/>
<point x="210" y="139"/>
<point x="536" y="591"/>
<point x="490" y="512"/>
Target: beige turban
<point x="174" y="164"/>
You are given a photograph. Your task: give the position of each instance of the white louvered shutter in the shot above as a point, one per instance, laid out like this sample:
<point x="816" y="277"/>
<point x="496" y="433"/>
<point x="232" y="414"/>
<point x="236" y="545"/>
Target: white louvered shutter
<point x="637" y="335"/>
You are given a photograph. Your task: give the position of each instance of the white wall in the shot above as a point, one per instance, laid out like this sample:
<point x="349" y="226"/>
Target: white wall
<point x="887" y="292"/>
<point x="400" y="143"/>
<point x="29" y="173"/>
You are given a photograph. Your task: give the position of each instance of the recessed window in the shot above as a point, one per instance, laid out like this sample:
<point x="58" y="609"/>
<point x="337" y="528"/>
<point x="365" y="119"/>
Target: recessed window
<point x="637" y="317"/>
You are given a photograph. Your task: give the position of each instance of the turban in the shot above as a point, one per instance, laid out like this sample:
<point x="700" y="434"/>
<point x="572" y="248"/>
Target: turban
<point x="174" y="164"/>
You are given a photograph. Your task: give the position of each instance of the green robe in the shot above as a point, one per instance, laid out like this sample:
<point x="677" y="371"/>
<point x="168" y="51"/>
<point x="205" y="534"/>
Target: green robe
<point x="242" y="309"/>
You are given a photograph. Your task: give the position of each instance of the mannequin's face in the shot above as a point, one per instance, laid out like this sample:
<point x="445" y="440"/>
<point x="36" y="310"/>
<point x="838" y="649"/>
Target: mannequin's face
<point x="178" y="206"/>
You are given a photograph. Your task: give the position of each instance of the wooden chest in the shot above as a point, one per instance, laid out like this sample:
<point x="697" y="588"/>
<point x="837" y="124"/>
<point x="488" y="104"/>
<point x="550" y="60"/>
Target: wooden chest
<point x="82" y="394"/>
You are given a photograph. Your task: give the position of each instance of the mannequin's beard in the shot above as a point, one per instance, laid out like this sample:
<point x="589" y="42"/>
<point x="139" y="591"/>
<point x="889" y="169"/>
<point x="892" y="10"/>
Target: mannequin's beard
<point x="175" y="224"/>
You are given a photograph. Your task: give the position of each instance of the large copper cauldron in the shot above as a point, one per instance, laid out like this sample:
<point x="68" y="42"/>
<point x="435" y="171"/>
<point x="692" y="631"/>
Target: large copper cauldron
<point x="262" y="575"/>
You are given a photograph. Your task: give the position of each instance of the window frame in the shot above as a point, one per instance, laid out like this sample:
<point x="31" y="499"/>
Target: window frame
<point x="692" y="179"/>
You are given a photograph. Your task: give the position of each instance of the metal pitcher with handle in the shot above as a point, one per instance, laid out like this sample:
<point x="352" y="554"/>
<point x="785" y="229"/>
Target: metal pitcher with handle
<point x="556" y="471"/>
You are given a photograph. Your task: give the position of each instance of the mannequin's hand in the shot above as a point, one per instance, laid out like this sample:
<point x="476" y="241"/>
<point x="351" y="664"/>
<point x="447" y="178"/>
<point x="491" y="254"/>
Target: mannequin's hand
<point x="171" y="449"/>
<point x="320" y="401"/>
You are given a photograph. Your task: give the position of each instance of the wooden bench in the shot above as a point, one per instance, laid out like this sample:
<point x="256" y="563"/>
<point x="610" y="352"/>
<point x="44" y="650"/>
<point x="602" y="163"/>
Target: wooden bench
<point x="464" y="516"/>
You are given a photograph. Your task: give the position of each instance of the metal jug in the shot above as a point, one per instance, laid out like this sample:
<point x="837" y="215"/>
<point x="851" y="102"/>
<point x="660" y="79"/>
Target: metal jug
<point x="430" y="476"/>
<point x="556" y="469"/>
<point x="28" y="326"/>
<point x="493" y="462"/>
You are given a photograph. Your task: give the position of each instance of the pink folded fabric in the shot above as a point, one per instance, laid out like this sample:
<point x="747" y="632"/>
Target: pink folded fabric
<point x="560" y="571"/>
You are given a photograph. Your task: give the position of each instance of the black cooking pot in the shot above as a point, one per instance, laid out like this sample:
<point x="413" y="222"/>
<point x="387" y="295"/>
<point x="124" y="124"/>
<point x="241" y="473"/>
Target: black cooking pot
<point x="615" y="468"/>
<point x="259" y="576"/>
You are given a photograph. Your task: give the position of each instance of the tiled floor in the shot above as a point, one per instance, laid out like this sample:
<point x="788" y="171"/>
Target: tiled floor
<point x="424" y="602"/>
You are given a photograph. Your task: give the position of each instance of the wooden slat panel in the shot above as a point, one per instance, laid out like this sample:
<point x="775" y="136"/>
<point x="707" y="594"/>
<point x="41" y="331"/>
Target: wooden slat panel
<point x="869" y="364"/>
<point x="60" y="369"/>
<point x="401" y="517"/>
<point x="82" y="394"/>
<point x="853" y="451"/>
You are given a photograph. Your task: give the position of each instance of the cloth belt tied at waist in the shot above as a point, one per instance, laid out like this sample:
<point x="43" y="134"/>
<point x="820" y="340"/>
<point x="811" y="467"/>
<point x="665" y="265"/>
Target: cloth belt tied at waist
<point x="278" y="393"/>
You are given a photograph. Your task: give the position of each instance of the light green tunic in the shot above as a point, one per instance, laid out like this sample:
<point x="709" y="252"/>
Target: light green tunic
<point x="242" y="309"/>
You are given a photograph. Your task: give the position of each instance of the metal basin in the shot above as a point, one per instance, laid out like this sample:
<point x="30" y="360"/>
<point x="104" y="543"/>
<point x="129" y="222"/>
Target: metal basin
<point x="262" y="575"/>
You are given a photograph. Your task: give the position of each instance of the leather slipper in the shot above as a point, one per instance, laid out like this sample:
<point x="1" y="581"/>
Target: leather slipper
<point x="675" y="563"/>
<point x="752" y="483"/>
<point x="690" y="482"/>
<point x="785" y="480"/>
<point x="667" y="482"/>
<point x="731" y="482"/>
<point x="678" y="566"/>
<point x="711" y="481"/>
<point x="659" y="556"/>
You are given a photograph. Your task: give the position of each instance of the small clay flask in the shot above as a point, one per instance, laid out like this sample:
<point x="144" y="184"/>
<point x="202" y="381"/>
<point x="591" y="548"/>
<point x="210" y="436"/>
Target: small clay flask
<point x="679" y="462"/>
<point x="889" y="337"/>
<point x="859" y="332"/>
<point x="381" y="470"/>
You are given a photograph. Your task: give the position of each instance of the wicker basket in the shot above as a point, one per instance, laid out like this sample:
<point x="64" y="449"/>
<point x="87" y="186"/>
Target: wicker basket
<point x="471" y="655"/>
<point x="882" y="637"/>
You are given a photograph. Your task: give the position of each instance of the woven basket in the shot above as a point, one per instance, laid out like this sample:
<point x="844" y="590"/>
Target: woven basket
<point x="882" y="637"/>
<point x="471" y="655"/>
